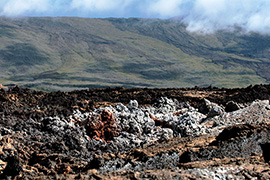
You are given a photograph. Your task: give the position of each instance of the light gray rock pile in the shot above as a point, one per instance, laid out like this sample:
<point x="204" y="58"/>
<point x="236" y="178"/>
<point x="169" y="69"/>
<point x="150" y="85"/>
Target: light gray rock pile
<point x="257" y="112"/>
<point x="138" y="125"/>
<point x="168" y="118"/>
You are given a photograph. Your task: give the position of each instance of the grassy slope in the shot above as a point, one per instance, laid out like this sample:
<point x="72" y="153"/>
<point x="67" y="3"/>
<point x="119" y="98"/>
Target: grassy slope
<point x="68" y="53"/>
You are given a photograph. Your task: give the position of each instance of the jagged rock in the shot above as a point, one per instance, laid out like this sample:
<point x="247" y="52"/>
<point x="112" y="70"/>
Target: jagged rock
<point x="231" y="106"/>
<point x="257" y="112"/>
<point x="236" y="141"/>
<point x="211" y="109"/>
<point x="65" y="138"/>
<point x="102" y="127"/>
<point x="133" y="105"/>
<point x="187" y="124"/>
<point x="162" y="161"/>
<point x="165" y="105"/>
<point x="121" y="108"/>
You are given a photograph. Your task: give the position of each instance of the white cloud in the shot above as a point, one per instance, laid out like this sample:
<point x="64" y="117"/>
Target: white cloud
<point x="207" y="16"/>
<point x="259" y="23"/>
<point x="165" y="8"/>
<point x="20" y="7"/>
<point x="199" y="15"/>
<point x="210" y="15"/>
<point x="100" y="5"/>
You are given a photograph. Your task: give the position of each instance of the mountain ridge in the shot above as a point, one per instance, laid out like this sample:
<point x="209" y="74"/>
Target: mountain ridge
<point x="77" y="53"/>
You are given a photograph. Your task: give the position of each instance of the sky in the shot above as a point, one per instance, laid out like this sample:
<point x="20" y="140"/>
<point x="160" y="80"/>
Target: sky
<point x="205" y="16"/>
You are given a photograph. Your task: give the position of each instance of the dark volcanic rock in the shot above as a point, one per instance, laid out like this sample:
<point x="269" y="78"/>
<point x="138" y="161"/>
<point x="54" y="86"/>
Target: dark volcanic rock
<point x="266" y="151"/>
<point x="135" y="133"/>
<point x="236" y="141"/>
<point x="25" y="103"/>
<point x="231" y="106"/>
<point x="13" y="167"/>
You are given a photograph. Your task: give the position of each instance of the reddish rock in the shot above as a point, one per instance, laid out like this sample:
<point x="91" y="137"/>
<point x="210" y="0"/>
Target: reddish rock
<point x="102" y="127"/>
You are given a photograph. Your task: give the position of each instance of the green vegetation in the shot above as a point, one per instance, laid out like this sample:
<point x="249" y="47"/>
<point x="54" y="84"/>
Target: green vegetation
<point x="74" y="53"/>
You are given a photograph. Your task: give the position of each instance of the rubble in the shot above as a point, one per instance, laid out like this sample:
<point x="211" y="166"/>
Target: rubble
<point x="69" y="136"/>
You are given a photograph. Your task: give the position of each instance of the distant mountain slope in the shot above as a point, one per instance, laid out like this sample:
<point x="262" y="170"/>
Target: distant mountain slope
<point x="74" y="53"/>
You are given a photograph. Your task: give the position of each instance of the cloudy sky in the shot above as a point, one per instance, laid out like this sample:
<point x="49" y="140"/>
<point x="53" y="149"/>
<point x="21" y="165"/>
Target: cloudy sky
<point x="199" y="15"/>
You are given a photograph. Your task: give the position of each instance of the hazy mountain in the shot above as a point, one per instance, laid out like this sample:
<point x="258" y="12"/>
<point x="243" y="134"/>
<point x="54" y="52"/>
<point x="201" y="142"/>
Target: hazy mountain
<point x="74" y="53"/>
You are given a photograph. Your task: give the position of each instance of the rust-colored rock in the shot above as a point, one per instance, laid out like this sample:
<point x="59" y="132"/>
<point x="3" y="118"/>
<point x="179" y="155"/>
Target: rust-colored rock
<point x="102" y="127"/>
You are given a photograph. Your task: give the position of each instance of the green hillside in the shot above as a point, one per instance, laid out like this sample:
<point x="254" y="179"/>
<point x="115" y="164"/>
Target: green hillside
<point x="75" y="53"/>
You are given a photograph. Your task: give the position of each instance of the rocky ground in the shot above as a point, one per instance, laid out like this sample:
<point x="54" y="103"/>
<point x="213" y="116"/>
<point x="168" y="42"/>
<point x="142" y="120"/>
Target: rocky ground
<point x="118" y="133"/>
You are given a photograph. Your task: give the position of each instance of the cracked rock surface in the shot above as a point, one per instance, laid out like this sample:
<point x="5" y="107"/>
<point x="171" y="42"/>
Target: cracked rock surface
<point x="199" y="133"/>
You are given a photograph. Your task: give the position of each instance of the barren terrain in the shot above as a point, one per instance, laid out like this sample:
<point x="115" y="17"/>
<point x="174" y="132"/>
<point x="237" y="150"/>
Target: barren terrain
<point x="119" y="133"/>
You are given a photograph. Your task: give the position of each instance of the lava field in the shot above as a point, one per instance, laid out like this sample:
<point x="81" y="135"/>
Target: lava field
<point x="119" y="133"/>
